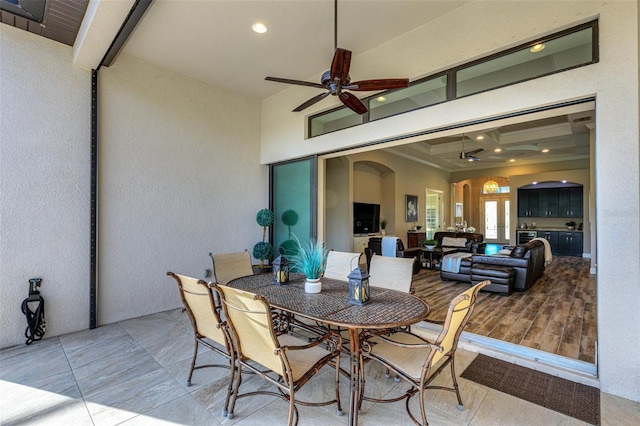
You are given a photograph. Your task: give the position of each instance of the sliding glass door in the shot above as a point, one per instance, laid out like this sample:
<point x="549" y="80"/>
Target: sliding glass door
<point x="294" y="203"/>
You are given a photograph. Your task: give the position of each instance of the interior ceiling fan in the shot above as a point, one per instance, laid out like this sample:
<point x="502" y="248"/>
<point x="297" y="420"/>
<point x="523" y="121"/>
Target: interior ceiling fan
<point x="469" y="155"/>
<point x="336" y="80"/>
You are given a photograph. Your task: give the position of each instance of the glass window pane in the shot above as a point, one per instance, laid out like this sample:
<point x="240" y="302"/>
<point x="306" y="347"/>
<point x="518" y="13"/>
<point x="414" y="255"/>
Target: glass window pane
<point x="491" y="220"/>
<point x="416" y="96"/>
<point x="338" y="119"/>
<point x="506" y="220"/>
<point x="293" y="203"/>
<point x="556" y="55"/>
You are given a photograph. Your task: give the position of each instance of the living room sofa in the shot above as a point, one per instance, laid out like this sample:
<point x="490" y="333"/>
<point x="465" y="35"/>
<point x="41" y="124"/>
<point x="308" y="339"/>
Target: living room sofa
<point x="375" y="247"/>
<point x="526" y="259"/>
<point x="460" y="242"/>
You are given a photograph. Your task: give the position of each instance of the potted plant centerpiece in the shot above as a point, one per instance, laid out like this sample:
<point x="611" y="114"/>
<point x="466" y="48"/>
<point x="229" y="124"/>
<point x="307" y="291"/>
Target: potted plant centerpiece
<point x="430" y="244"/>
<point x="310" y="260"/>
<point x="263" y="250"/>
<point x="383" y="226"/>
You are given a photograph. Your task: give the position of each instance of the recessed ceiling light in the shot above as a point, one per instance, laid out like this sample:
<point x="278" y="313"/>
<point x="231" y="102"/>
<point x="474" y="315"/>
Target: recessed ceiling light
<point x="497" y="150"/>
<point x="479" y="137"/>
<point x="535" y="183"/>
<point x="537" y="47"/>
<point x="564" y="181"/>
<point x="545" y="150"/>
<point x="511" y="160"/>
<point x="381" y="99"/>
<point x="259" y="27"/>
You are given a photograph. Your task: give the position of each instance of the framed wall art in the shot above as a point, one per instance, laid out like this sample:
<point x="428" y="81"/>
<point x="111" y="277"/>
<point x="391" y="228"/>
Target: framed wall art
<point x="411" y="208"/>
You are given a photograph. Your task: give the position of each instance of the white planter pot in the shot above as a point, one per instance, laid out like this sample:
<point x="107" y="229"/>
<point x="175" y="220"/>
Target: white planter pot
<point x="312" y="285"/>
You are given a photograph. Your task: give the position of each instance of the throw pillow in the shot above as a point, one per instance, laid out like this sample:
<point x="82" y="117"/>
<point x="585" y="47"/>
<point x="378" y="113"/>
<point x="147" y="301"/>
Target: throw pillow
<point x="454" y="242"/>
<point x="518" y="251"/>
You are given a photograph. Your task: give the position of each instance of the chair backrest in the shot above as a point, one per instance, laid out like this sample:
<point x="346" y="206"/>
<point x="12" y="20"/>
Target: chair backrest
<point x="340" y="264"/>
<point x="200" y="305"/>
<point x="249" y="318"/>
<point x="391" y="272"/>
<point x="228" y="266"/>
<point x="458" y="314"/>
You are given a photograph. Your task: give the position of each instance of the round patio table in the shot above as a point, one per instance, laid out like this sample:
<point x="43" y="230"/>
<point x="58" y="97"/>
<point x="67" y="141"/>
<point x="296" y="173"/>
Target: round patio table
<point x="386" y="309"/>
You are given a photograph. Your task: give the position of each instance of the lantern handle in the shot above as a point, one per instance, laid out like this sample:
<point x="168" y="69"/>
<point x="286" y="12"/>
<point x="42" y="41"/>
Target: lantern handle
<point x="351" y="263"/>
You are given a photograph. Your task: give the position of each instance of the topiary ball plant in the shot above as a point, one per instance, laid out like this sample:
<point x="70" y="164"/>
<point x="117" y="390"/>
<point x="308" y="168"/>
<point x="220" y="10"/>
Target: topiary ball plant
<point x="263" y="250"/>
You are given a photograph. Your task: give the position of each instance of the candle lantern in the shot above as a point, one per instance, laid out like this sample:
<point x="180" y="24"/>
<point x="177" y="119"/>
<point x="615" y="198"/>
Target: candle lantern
<point x="280" y="270"/>
<point x="358" y="286"/>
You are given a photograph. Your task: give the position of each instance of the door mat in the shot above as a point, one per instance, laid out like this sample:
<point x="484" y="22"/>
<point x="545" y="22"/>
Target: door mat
<point x="564" y="396"/>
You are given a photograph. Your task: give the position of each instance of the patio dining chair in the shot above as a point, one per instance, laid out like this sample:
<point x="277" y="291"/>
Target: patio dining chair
<point x="208" y="328"/>
<point x="394" y="273"/>
<point x="340" y="264"/>
<point x="419" y="361"/>
<point x="228" y="266"/>
<point x="290" y="361"/>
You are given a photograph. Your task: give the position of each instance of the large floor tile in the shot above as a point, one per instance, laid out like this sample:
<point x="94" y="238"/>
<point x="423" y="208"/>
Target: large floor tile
<point x="131" y="362"/>
<point x="181" y="411"/>
<point x="114" y="404"/>
<point x="86" y="346"/>
<point x="41" y="398"/>
<point x="23" y="364"/>
<point x="502" y="409"/>
<point x="616" y="411"/>
<point x="151" y="329"/>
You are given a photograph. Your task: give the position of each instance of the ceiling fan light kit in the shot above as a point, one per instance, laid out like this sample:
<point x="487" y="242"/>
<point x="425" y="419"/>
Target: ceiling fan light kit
<point x="336" y="80"/>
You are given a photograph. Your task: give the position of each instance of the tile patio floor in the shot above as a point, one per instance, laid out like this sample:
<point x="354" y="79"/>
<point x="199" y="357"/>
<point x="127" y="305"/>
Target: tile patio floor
<point x="134" y="372"/>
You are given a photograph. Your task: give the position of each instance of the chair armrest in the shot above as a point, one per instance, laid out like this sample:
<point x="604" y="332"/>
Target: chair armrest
<point x="332" y="335"/>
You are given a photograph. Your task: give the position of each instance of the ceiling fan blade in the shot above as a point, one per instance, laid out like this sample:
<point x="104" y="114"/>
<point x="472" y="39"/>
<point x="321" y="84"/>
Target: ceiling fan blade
<point x="382" y="84"/>
<point x="312" y="101"/>
<point x="353" y="102"/>
<point x="297" y="82"/>
<point x="474" y="152"/>
<point x="341" y="64"/>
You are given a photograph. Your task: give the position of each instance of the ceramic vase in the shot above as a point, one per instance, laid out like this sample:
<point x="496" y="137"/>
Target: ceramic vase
<point x="312" y="285"/>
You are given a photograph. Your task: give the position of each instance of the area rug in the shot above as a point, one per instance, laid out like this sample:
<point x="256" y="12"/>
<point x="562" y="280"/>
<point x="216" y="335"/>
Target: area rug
<point x="564" y="396"/>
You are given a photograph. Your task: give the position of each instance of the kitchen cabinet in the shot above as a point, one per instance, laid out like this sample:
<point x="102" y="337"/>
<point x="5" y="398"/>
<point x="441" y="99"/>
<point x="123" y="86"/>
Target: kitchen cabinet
<point x="415" y="239"/>
<point x="548" y="202"/>
<point x="570" y="202"/>
<point x="569" y="243"/>
<point x="552" y="237"/>
<point x="528" y="203"/>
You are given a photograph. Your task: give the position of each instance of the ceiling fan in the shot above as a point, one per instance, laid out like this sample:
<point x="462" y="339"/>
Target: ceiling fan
<point x="336" y="80"/>
<point x="469" y="155"/>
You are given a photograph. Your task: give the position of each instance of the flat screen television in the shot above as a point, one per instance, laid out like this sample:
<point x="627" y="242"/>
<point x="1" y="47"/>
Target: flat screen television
<point x="366" y="218"/>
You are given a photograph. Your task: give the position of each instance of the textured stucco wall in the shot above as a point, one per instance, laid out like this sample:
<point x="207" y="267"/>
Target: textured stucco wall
<point x="614" y="83"/>
<point x="44" y="183"/>
<point x="179" y="177"/>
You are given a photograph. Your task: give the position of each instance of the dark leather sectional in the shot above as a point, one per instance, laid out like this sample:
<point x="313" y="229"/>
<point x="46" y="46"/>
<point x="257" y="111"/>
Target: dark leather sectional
<point x="527" y="260"/>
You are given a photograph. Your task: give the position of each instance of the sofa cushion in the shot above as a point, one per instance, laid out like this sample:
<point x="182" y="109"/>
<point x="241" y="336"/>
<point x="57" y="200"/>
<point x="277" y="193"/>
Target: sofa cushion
<point x="454" y="242"/>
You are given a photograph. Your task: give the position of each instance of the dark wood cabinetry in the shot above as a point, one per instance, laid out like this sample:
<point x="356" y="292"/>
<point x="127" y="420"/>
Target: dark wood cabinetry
<point x="570" y="202"/>
<point x="550" y="202"/>
<point x="415" y="239"/>
<point x="528" y="202"/>
<point x="552" y="237"/>
<point x="569" y="244"/>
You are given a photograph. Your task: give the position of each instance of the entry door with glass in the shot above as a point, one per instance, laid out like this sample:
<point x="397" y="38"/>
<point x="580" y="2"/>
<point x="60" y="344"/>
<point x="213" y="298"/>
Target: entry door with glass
<point x="433" y="209"/>
<point x="495" y="214"/>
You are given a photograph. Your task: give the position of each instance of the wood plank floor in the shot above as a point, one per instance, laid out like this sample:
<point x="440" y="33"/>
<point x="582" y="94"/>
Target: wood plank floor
<point x="557" y="314"/>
